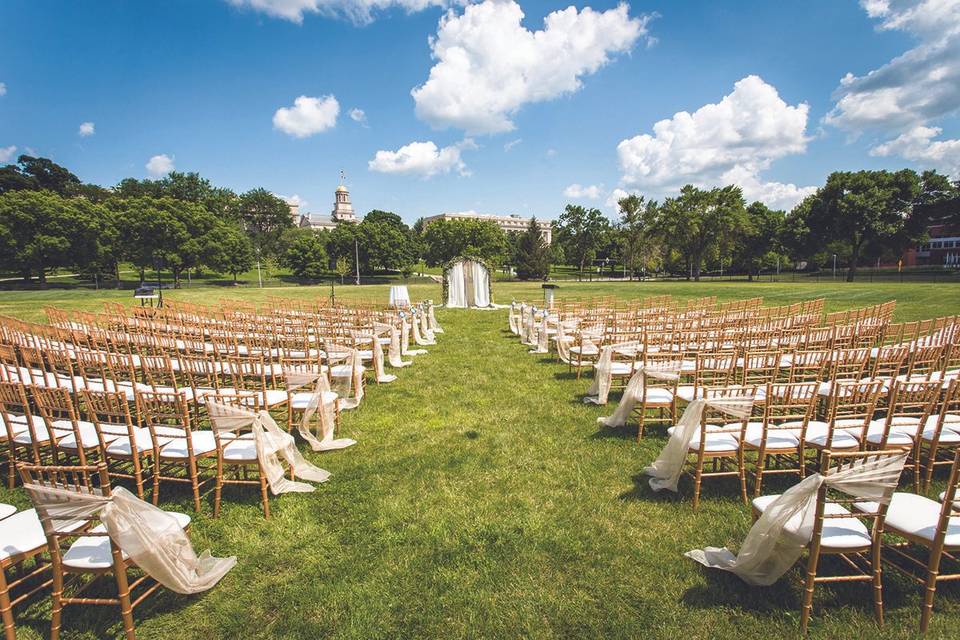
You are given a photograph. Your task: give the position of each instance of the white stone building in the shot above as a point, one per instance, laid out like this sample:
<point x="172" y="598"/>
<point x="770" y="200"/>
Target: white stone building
<point x="342" y="212"/>
<point x="507" y="223"/>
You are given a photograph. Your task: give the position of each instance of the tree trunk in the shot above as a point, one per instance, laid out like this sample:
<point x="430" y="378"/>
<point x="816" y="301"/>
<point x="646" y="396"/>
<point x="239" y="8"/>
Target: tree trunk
<point x="696" y="268"/>
<point x="234" y="278"/>
<point x="42" y="278"/>
<point x="854" y="258"/>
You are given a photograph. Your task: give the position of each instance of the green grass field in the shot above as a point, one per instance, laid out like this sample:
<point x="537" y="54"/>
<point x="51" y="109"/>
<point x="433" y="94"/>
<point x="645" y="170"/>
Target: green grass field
<point x="483" y="501"/>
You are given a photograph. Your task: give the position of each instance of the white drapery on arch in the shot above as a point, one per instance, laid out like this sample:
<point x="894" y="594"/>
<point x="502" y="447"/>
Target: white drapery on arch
<point x="468" y="284"/>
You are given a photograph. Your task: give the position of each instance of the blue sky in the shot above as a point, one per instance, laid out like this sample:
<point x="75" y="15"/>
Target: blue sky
<point x="205" y="82"/>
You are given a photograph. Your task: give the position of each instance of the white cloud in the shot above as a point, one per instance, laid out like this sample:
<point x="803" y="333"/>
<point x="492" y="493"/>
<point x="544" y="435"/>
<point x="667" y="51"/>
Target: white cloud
<point x="359" y="11"/>
<point x="552" y="153"/>
<point x="359" y="116"/>
<point x="423" y="159"/>
<point x="3" y="88"/>
<point x="160" y="165"/>
<point x="6" y="153"/>
<point x="905" y="96"/>
<point x="578" y="192"/>
<point x="307" y="116"/>
<point x="294" y="199"/>
<point x="86" y="129"/>
<point x="488" y="65"/>
<point x="731" y="141"/>
<point x="918" y="145"/>
<point x="510" y="145"/>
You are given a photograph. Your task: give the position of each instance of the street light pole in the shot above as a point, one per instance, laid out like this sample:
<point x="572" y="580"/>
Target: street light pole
<point x="259" y="274"/>
<point x="356" y="258"/>
<point x="834" y="266"/>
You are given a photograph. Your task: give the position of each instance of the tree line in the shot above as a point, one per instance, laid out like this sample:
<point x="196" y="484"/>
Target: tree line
<point x="860" y="217"/>
<point x="184" y="224"/>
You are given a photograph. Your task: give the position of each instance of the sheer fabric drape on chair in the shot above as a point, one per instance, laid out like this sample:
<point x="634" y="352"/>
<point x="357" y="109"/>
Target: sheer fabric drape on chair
<point x="769" y="551"/>
<point x="151" y="537"/>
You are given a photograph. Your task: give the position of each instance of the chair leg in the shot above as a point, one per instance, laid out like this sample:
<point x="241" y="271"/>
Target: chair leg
<point x="698" y="478"/>
<point x="929" y="589"/>
<point x="263" y="495"/>
<point x="194" y="483"/>
<point x="126" y="607"/>
<point x="758" y="475"/>
<point x="742" y="472"/>
<point x="56" y="600"/>
<point x="809" y="584"/>
<point x="875" y="562"/>
<point x="218" y="489"/>
<point x="6" y="608"/>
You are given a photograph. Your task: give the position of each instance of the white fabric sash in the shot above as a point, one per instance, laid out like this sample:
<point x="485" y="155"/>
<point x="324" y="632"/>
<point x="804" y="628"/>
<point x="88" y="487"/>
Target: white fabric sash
<point x="425" y="330"/>
<point x="603" y="376"/>
<point x="769" y="549"/>
<point x="272" y="443"/>
<point x="542" y="346"/>
<point x="666" y="469"/>
<point x="326" y="412"/>
<point x="633" y="394"/>
<point x="434" y="325"/>
<point x="151" y="537"/>
<point x="417" y="336"/>
<point x="349" y="387"/>
<point x="405" y="339"/>
<point x="513" y="318"/>
<point x="394" y="352"/>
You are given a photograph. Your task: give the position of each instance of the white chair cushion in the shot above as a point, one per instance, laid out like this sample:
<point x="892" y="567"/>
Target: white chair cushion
<point x="818" y="431"/>
<point x="93" y="552"/>
<point x="686" y="392"/>
<point x="24" y="436"/>
<point x="68" y="440"/>
<point x="240" y="450"/>
<point x="121" y="445"/>
<point x="203" y="442"/>
<point x="21" y="533"/>
<point x="915" y="515"/>
<point x="776" y="438"/>
<point x="716" y="442"/>
<point x="658" y="395"/>
<point x="7" y="510"/>
<point x="341" y="371"/>
<point x="838" y="533"/>
<point x="302" y="398"/>
<point x="586" y="349"/>
<point x="947" y="435"/>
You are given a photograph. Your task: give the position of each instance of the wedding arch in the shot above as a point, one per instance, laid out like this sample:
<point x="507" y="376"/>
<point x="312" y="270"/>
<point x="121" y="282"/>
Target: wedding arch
<point x="467" y="283"/>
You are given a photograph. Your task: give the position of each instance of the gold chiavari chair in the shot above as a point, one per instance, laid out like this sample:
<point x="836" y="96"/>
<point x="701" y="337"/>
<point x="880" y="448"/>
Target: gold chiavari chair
<point x="127" y="450"/>
<point x="839" y="530"/>
<point x="658" y="394"/>
<point x="81" y="551"/>
<point x="852" y="405"/>
<point x="72" y="439"/>
<point x="237" y="450"/>
<point x="940" y="438"/>
<point x="928" y="538"/>
<point x="910" y="405"/>
<point x="776" y="439"/>
<point x="809" y="366"/>
<point x="715" y="451"/>
<point x="25" y="434"/>
<point x="710" y="370"/>
<point x="185" y="455"/>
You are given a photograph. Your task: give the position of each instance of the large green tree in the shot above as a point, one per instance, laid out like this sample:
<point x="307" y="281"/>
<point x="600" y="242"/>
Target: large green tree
<point x="533" y="256"/>
<point x="700" y="224"/>
<point x="447" y="239"/>
<point x="870" y="213"/>
<point x="227" y="249"/>
<point x="38" y="174"/>
<point x="582" y="232"/>
<point x="41" y="231"/>
<point x="264" y="216"/>
<point x="304" y="253"/>
<point x="759" y="244"/>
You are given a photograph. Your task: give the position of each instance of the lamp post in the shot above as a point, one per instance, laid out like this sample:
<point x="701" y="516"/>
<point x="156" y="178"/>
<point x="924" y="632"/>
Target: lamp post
<point x="356" y="259"/>
<point x="834" y="266"/>
<point x="259" y="274"/>
<point x="157" y="261"/>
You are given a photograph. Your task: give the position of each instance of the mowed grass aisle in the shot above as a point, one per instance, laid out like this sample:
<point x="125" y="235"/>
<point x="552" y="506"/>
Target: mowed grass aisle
<point x="483" y="500"/>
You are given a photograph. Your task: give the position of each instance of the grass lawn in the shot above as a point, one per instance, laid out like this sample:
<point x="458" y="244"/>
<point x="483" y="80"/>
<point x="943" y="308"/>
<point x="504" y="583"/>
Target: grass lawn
<point x="483" y="501"/>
